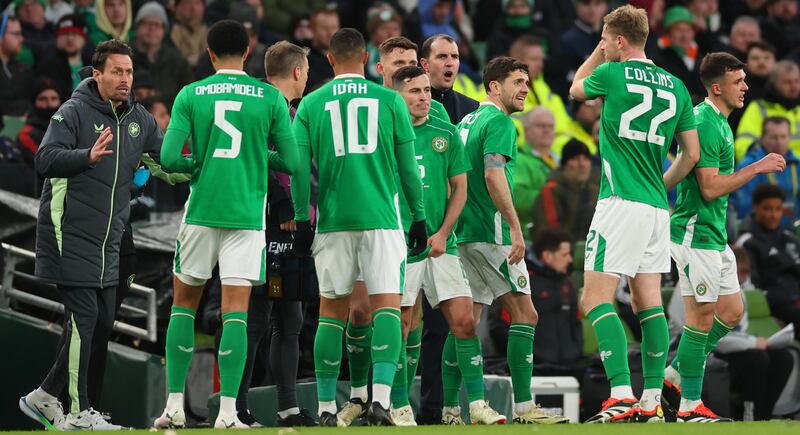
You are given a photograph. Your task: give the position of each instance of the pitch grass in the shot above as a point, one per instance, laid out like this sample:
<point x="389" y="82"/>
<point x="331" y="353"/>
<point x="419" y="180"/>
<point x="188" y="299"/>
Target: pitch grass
<point x="765" y="428"/>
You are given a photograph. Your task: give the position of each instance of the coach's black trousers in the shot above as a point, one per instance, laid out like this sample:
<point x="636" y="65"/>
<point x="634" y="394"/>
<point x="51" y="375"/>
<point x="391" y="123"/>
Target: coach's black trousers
<point x="286" y="318"/>
<point x="88" y="314"/>
<point x="434" y="333"/>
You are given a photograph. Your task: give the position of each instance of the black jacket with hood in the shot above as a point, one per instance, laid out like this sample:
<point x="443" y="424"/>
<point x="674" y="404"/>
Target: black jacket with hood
<point x="84" y="208"/>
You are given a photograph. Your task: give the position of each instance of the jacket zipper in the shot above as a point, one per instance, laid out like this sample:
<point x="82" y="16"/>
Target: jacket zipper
<point x="113" y="189"/>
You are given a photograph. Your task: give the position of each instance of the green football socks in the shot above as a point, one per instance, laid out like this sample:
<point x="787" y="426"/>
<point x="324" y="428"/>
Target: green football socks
<point x="232" y="353"/>
<point x="179" y="347"/>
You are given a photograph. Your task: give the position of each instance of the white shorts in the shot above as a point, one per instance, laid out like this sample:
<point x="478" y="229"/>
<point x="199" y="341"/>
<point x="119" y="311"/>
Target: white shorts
<point x="378" y="255"/>
<point x="441" y="278"/>
<point x="705" y="274"/>
<point x="490" y="275"/>
<point x="241" y="254"/>
<point x="627" y="238"/>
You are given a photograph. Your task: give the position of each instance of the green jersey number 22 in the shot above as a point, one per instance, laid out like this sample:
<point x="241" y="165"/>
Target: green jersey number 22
<point x="651" y="136"/>
<point x="353" y="144"/>
<point x="220" y="107"/>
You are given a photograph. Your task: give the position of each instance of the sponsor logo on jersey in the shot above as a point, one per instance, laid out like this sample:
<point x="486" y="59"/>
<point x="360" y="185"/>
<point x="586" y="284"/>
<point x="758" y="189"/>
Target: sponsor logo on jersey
<point x="57" y="117"/>
<point x="701" y="289"/>
<point x="439" y="144"/>
<point x="134" y="129"/>
<point x="522" y="282"/>
<point x="98" y="129"/>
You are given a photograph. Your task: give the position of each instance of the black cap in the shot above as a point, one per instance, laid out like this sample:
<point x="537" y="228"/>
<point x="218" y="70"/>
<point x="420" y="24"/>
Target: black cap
<point x="574" y="148"/>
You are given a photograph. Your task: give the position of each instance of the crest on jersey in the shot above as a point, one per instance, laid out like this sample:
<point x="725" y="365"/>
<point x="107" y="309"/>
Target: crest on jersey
<point x="439" y="144"/>
<point x="701" y="289"/>
<point x="522" y="282"/>
<point x="134" y="129"/>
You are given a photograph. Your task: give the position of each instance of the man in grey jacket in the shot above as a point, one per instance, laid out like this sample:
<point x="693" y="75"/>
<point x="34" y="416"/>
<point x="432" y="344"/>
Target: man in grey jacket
<point x="88" y="155"/>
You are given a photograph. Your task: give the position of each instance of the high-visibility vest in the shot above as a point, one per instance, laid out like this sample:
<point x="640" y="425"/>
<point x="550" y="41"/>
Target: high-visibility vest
<point x="540" y="94"/>
<point x="752" y="121"/>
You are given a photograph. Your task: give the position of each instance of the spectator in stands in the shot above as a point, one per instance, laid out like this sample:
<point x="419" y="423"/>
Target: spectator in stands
<point x="780" y="99"/>
<point x="567" y="201"/>
<point x="437" y="16"/>
<point x="159" y="110"/>
<point x="516" y="21"/>
<point x="759" y="61"/>
<point x="281" y="12"/>
<point x="679" y="52"/>
<point x="586" y="115"/>
<point x="39" y="35"/>
<point x="265" y="35"/>
<point x="559" y="345"/>
<point x="300" y="31"/>
<point x="64" y="65"/>
<point x="439" y="57"/>
<point x="534" y="163"/>
<point x="86" y="9"/>
<point x="775" y="255"/>
<point x="324" y="23"/>
<point x="383" y="22"/>
<point x="46" y="101"/>
<point x="189" y="32"/>
<point x="732" y="9"/>
<point x="577" y="43"/>
<point x="745" y="31"/>
<point x="56" y="9"/>
<point x="706" y="15"/>
<point x="113" y="19"/>
<point x="781" y="26"/>
<point x="170" y="70"/>
<point x="143" y="86"/>
<point x="245" y="13"/>
<point x="15" y="76"/>
<point x="774" y="139"/>
<point x="530" y="51"/>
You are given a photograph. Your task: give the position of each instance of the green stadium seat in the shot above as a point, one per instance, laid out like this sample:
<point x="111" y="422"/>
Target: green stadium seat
<point x="13" y="124"/>
<point x="760" y="321"/>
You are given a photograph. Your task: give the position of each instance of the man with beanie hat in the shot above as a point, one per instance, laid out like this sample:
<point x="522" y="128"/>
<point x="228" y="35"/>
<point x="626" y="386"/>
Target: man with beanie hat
<point x="679" y="52"/>
<point x="169" y="68"/>
<point x="45" y="102"/>
<point x="64" y="65"/>
<point x="568" y="199"/>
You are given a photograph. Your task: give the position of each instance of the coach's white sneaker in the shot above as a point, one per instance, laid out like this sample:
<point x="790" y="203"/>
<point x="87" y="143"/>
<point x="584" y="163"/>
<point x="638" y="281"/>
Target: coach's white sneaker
<point x="229" y="421"/>
<point x="481" y="413"/>
<point x="89" y="419"/>
<point x="403" y="416"/>
<point x="45" y="411"/>
<point x="171" y="419"/>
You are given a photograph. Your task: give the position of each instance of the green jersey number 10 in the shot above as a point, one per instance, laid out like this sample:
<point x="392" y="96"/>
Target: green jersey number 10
<point x="651" y="136"/>
<point x="354" y="146"/>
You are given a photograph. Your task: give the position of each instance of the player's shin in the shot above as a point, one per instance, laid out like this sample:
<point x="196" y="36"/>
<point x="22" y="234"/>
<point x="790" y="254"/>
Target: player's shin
<point x="655" y="345"/>
<point x="613" y="347"/>
<point x="357" y="340"/>
<point x="399" y="387"/>
<point x="470" y="362"/>
<point x="327" y="359"/>
<point x="413" y="347"/>
<point x="691" y="365"/>
<point x="520" y="364"/>
<point x="386" y="342"/>
<point x="179" y="351"/>
<point x="231" y="358"/>
<point x="451" y="373"/>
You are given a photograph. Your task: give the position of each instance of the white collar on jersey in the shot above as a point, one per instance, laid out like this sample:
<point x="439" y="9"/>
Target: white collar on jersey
<point x="641" y="59"/>
<point x="349" y="76"/>
<point x="713" y="106"/>
<point x="489" y="103"/>
<point x="231" y="71"/>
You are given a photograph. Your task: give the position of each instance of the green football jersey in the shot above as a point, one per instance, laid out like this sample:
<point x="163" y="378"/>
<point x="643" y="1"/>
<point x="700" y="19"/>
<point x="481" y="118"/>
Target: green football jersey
<point x="230" y="117"/>
<point x="360" y="135"/>
<point x="644" y="106"/>
<point x="438" y="111"/>
<point x="440" y="155"/>
<point x="487" y="130"/>
<point x="698" y="223"/>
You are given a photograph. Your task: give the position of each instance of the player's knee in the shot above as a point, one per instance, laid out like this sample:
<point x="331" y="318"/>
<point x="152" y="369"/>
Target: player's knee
<point x="463" y="327"/>
<point x="732" y="315"/>
<point x="360" y="316"/>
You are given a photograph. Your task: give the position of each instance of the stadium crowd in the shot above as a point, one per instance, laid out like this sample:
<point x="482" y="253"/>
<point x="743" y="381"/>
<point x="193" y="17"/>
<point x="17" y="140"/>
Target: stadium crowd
<point x="45" y="43"/>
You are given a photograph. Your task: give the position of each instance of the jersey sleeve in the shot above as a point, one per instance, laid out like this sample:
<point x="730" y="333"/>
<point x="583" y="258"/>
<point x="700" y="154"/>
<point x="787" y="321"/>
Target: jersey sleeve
<point x="686" y="118"/>
<point x="181" y="116"/>
<point x="596" y="85"/>
<point x="457" y="162"/>
<point x="177" y="133"/>
<point x="500" y="136"/>
<point x="301" y="179"/>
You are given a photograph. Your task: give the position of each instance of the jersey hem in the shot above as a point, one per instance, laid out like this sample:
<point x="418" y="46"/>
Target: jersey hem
<point x="707" y="247"/>
<point x="227" y="225"/>
<point x="664" y="206"/>
<point x="355" y="228"/>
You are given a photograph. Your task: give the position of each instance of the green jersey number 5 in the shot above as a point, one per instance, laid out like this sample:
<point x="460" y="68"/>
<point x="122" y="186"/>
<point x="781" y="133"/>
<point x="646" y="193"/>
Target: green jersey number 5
<point x="220" y="107"/>
<point x="353" y="119"/>
<point x="627" y="117"/>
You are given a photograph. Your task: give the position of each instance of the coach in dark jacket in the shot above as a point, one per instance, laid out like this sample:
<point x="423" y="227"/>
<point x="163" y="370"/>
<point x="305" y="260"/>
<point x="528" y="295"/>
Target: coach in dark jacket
<point x="439" y="57"/>
<point x="88" y="155"/>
